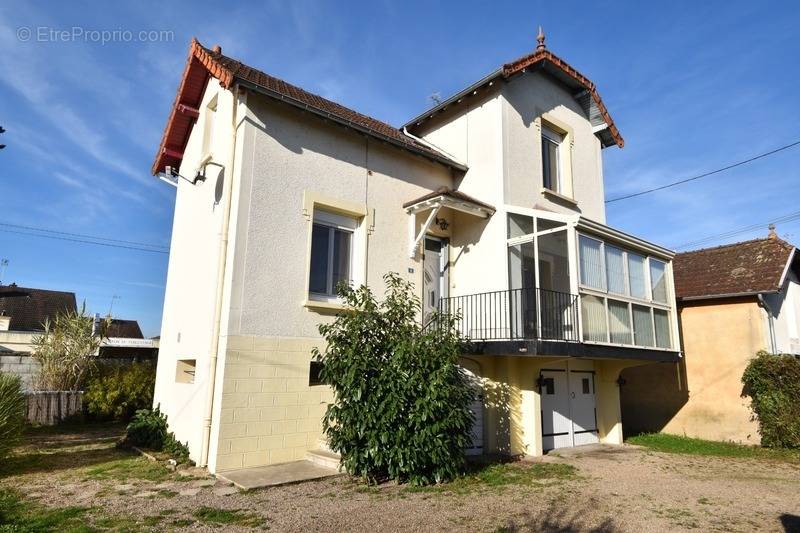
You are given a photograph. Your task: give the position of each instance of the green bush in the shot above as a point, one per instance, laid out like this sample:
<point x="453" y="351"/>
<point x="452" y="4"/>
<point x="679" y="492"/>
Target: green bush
<point x="148" y="429"/>
<point x="401" y="403"/>
<point x="12" y="412"/>
<point x="773" y="384"/>
<point x="116" y="392"/>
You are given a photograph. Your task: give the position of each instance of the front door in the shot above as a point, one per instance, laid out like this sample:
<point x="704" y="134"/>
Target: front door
<point x="434" y="275"/>
<point x="569" y="415"/>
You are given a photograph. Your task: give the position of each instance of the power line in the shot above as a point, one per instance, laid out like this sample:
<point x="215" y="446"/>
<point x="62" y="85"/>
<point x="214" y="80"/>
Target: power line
<point x="83" y="241"/>
<point x="744" y="229"/>
<point x="686" y="180"/>
<point x="83" y="236"/>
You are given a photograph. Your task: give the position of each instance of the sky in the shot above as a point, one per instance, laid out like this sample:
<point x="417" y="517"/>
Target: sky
<point x="692" y="86"/>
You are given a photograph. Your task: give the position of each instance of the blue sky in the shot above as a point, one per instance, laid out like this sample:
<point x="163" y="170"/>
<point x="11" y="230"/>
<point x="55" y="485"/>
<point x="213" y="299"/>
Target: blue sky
<point x="693" y="86"/>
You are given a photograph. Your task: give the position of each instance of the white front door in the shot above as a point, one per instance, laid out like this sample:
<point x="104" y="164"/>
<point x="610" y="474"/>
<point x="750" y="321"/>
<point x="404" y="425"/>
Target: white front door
<point x="568" y="408"/>
<point x="434" y="275"/>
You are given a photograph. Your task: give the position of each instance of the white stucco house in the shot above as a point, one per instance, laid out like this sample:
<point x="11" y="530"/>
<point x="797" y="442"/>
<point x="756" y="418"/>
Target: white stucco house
<point x="491" y="203"/>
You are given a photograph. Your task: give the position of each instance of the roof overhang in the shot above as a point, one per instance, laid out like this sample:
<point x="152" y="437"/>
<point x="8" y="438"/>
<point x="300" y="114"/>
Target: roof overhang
<point x="601" y="230"/>
<point x="583" y="89"/>
<point x="464" y="205"/>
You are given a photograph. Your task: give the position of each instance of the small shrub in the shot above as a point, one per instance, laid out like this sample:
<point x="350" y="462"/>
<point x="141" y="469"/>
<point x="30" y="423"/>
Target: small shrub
<point x="12" y="412"/>
<point x="401" y="403"/>
<point x="773" y="384"/>
<point x="148" y="429"/>
<point x="116" y="392"/>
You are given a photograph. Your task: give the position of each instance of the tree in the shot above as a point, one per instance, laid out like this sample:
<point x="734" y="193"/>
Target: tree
<point x="67" y="349"/>
<point x="401" y="402"/>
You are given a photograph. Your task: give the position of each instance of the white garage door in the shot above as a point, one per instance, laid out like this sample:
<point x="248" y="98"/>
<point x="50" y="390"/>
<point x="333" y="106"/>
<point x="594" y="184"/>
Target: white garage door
<point x="569" y="416"/>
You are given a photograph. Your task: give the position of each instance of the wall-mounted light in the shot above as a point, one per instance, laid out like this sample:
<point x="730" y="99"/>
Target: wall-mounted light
<point x="442" y="223"/>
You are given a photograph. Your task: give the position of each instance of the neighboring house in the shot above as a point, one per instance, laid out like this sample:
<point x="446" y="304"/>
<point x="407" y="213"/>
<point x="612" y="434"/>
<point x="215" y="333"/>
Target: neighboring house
<point x="23" y="311"/>
<point x="733" y="300"/>
<point x="491" y="203"/>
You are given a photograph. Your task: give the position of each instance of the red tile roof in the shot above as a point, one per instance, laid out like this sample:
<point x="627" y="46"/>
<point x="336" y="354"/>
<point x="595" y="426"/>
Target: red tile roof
<point x="540" y="58"/>
<point x="127" y="329"/>
<point x="203" y="63"/>
<point x="749" y="267"/>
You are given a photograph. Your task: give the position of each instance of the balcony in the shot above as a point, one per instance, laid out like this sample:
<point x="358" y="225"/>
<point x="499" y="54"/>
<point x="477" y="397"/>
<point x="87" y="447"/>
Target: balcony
<point x="533" y="321"/>
<point x="512" y="315"/>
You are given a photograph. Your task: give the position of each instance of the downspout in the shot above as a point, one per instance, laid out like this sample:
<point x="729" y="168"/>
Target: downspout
<point x="221" y="264"/>
<point x="771" y="324"/>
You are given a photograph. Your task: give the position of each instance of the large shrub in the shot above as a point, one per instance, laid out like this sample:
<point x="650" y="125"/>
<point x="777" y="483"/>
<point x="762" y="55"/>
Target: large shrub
<point x="401" y="402"/>
<point x="773" y="384"/>
<point x="67" y="349"/>
<point x="116" y="391"/>
<point x="148" y="429"/>
<point x="12" y="412"/>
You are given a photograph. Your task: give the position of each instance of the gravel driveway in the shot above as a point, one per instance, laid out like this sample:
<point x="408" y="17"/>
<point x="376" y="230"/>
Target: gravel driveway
<point x="612" y="489"/>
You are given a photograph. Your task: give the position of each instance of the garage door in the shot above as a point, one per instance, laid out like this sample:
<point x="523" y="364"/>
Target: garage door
<point x="569" y="416"/>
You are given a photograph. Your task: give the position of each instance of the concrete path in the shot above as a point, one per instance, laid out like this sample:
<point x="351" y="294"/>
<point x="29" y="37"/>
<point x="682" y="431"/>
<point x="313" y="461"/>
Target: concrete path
<point x="275" y="475"/>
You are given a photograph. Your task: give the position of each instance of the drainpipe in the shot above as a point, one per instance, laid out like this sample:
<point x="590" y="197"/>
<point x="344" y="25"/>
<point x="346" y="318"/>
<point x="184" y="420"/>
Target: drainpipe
<point x="771" y="323"/>
<point x="221" y="263"/>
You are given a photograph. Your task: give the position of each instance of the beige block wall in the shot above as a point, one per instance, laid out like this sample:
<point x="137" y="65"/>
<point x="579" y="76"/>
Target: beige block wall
<point x="268" y="412"/>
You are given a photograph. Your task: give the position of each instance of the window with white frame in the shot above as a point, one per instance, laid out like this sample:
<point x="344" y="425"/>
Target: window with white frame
<point x="624" y="298"/>
<point x="551" y="163"/>
<point x="331" y="254"/>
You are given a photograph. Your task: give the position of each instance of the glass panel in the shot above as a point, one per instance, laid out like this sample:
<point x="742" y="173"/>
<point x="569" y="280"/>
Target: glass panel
<point x="593" y="314"/>
<point x="658" y="281"/>
<point x="341" y="257"/>
<point x="638" y="289"/>
<point x="585" y="383"/>
<point x="642" y="326"/>
<point x="619" y="321"/>
<point x="521" y="281"/>
<point x="320" y="237"/>
<point x="543" y="224"/>
<point x="554" y="262"/>
<point x="519" y="225"/>
<point x="663" y="337"/>
<point x="615" y="270"/>
<point x="591" y="263"/>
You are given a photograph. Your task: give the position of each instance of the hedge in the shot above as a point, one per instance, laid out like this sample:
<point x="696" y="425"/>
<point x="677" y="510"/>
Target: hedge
<point x="773" y="384"/>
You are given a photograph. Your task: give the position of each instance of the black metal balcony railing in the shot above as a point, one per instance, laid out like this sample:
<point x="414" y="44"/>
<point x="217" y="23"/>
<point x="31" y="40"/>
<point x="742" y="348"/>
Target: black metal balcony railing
<point x="515" y="314"/>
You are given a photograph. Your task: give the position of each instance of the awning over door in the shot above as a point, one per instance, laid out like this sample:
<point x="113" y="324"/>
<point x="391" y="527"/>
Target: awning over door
<point x="434" y="201"/>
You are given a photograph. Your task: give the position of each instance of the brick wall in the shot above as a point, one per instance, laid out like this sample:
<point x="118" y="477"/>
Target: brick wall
<point x="269" y="413"/>
<point x="21" y="365"/>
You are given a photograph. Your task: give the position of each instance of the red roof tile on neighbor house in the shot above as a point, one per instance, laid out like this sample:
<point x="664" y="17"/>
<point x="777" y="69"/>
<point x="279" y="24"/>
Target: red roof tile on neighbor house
<point x="749" y="267"/>
<point x="30" y="308"/>
<point x="204" y="63"/>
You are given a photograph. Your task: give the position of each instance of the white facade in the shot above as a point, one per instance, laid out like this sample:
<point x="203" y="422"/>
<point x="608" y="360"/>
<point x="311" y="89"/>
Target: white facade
<point x="241" y="314"/>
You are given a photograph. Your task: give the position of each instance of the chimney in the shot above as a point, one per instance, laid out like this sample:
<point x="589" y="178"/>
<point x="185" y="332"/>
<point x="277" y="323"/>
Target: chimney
<point x="5" y="321"/>
<point x="217" y="49"/>
<point x="772" y="234"/>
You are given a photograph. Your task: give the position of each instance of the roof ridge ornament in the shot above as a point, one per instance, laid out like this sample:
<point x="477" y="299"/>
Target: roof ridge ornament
<point x="540" y="40"/>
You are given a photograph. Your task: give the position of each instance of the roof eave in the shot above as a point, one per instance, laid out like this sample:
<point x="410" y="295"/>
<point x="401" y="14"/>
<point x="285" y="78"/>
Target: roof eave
<point x="723" y="296"/>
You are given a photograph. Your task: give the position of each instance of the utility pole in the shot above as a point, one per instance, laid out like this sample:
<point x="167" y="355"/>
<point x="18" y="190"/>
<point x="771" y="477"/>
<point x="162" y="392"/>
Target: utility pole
<point x="2" y="130"/>
<point x="110" y="307"/>
<point x="3" y="266"/>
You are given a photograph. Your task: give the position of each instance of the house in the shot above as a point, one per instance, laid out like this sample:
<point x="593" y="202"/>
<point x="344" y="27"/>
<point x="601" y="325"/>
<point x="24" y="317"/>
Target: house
<point x="491" y="203"/>
<point x="733" y="301"/>
<point x="23" y="311"/>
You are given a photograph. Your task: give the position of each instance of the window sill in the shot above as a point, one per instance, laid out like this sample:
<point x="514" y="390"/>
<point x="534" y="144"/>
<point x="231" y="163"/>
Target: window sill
<point x="553" y="195"/>
<point x="323" y="306"/>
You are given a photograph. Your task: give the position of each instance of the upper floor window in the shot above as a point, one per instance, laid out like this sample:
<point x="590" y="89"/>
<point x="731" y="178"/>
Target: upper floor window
<point x="331" y="253"/>
<point x="551" y="159"/>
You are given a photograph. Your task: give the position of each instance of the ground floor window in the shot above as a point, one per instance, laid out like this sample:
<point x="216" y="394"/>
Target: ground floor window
<point x="331" y="253"/>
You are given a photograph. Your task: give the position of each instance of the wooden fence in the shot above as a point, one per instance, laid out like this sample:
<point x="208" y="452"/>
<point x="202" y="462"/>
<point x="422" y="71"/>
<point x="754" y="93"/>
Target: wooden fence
<point x="49" y="408"/>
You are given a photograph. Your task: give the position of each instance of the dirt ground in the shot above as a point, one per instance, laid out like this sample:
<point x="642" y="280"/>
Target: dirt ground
<point x="610" y="489"/>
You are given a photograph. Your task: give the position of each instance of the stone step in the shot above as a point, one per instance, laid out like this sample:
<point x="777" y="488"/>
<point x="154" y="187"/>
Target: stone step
<point x="324" y="458"/>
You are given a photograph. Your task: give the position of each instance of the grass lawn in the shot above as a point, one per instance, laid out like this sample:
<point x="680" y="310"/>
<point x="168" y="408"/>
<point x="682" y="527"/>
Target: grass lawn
<point x="663" y="442"/>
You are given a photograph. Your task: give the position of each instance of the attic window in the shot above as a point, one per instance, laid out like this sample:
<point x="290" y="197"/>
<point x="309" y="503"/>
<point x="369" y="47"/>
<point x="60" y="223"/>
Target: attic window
<point x="551" y="155"/>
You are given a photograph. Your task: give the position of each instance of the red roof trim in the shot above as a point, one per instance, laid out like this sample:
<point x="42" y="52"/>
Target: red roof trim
<point x="509" y="69"/>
